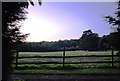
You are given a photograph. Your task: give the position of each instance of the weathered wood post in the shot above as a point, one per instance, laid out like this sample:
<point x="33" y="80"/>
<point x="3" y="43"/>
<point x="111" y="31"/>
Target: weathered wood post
<point x="16" y="59"/>
<point x="63" y="56"/>
<point x="112" y="58"/>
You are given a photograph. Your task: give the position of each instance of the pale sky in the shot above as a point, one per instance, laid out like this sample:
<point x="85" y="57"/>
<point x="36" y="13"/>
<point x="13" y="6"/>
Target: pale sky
<point x="55" y="21"/>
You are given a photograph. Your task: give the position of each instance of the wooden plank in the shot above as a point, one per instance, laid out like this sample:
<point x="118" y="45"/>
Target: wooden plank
<point x="93" y="62"/>
<point x="66" y="62"/>
<point x="112" y="58"/>
<point x="40" y="57"/>
<point x="64" y="57"/>
<point x="40" y="63"/>
<point x="16" y="59"/>
<point x="91" y="56"/>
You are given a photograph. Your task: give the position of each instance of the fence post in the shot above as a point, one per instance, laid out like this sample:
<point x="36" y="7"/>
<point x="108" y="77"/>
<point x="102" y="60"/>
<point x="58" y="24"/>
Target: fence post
<point x="64" y="57"/>
<point x="112" y="57"/>
<point x="16" y="59"/>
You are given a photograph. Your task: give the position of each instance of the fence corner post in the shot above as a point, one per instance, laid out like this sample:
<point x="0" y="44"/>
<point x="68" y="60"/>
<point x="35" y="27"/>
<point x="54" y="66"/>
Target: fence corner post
<point x="16" y="60"/>
<point x="112" y="58"/>
<point x="63" y="56"/>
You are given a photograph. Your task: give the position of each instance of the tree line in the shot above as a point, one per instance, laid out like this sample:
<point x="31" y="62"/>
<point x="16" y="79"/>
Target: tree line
<point x="88" y="41"/>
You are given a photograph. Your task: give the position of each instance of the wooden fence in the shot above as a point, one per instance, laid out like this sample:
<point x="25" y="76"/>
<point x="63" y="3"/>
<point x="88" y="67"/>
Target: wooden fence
<point x="63" y="57"/>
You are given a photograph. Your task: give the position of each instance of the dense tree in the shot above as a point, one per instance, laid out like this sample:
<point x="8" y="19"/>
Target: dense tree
<point x="89" y="40"/>
<point x="48" y="46"/>
<point x="103" y="43"/>
<point x="114" y="37"/>
<point x="12" y="14"/>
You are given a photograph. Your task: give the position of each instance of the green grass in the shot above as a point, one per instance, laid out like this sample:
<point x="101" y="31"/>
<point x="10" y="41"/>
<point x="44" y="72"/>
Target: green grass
<point x="69" y="71"/>
<point x="69" y="68"/>
<point x="59" y="66"/>
<point x="40" y="53"/>
<point x="68" y="53"/>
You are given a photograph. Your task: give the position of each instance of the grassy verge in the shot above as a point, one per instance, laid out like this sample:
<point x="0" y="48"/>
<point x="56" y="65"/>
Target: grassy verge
<point x="69" y="71"/>
<point x="59" y="66"/>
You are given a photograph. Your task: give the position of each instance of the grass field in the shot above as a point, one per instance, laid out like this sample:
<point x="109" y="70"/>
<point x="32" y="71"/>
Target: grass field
<point x="68" y="53"/>
<point x="69" y="68"/>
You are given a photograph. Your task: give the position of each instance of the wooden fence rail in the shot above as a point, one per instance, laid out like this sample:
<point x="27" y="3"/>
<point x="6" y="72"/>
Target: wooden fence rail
<point x="66" y="62"/>
<point x="64" y="57"/>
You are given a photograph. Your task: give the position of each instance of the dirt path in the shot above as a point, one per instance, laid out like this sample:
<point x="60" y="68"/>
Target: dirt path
<point x="67" y="77"/>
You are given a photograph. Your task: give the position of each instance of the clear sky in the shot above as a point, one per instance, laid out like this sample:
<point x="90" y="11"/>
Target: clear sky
<point x="55" y="21"/>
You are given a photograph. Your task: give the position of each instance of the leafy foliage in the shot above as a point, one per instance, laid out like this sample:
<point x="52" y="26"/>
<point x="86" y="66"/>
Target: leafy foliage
<point x="13" y="13"/>
<point x="115" y="21"/>
<point x="114" y="40"/>
<point x="11" y="17"/>
<point x="89" y="40"/>
<point x="103" y="43"/>
<point x="114" y="37"/>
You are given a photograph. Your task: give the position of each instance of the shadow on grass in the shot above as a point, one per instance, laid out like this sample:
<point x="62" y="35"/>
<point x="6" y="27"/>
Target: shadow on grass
<point x="66" y="67"/>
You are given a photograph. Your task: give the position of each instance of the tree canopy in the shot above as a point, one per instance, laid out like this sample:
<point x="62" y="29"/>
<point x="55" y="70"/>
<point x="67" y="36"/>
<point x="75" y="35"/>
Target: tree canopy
<point x="89" y="40"/>
<point x="11" y="18"/>
<point x="12" y="15"/>
<point x="114" y="37"/>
